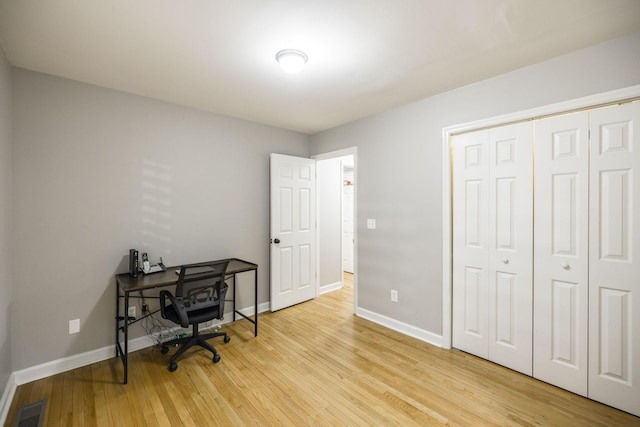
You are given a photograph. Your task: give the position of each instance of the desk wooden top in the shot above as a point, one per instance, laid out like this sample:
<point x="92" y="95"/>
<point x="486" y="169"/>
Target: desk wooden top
<point x="169" y="277"/>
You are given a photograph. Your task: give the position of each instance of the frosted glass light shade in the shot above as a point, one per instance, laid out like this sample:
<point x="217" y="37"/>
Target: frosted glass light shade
<point x="291" y="60"/>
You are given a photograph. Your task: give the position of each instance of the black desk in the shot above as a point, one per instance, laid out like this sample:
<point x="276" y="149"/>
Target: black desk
<point x="125" y="285"/>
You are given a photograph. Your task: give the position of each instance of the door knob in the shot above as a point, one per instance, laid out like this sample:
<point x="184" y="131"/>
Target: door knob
<point x="276" y="241"/>
<point x="505" y="260"/>
<point x="565" y="266"/>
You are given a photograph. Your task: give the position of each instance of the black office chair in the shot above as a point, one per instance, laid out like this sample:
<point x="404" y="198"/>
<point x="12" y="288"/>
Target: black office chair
<point x="199" y="297"/>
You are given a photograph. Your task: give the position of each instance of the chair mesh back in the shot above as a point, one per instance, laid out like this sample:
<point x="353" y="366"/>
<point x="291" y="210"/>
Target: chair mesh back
<point x="202" y="286"/>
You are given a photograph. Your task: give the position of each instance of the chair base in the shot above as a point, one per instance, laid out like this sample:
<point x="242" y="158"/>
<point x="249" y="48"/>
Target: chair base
<point x="187" y="342"/>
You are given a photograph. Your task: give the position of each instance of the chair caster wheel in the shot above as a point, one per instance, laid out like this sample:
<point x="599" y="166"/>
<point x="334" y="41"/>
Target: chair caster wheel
<point x="164" y="349"/>
<point x="173" y="367"/>
<point x="227" y="339"/>
<point x="216" y="358"/>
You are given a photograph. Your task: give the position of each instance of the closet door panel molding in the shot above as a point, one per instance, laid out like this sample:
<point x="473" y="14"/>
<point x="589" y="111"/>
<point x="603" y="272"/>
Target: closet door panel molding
<point x="471" y="243"/>
<point x="614" y="268"/>
<point x="561" y="269"/>
<point x="510" y="246"/>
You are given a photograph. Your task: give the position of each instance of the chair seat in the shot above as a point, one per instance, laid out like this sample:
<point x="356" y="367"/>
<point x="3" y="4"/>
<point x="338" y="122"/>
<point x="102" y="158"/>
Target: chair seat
<point x="202" y="288"/>
<point x="197" y="316"/>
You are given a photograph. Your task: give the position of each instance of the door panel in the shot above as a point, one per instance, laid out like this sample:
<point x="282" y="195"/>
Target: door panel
<point x="470" y="243"/>
<point x="510" y="246"/>
<point x="614" y="270"/>
<point x="561" y="251"/>
<point x="292" y="230"/>
<point x="474" y="305"/>
<point x="614" y="214"/>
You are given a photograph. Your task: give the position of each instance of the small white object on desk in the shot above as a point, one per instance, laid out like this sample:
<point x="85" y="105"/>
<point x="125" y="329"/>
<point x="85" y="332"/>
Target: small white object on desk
<point x="148" y="269"/>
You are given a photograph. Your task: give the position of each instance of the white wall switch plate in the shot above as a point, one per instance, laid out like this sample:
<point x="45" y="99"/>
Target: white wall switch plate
<point x="132" y="311"/>
<point x="74" y="326"/>
<point x="371" y="224"/>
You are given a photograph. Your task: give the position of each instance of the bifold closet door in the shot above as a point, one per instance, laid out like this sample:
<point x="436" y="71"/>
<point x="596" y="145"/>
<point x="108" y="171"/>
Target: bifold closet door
<point x="492" y="245"/>
<point x="471" y="243"/>
<point x="614" y="249"/>
<point x="561" y="251"/>
<point x="511" y="246"/>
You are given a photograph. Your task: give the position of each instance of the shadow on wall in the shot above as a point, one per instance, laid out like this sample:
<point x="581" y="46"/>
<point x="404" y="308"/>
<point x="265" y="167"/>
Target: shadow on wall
<point x="156" y="214"/>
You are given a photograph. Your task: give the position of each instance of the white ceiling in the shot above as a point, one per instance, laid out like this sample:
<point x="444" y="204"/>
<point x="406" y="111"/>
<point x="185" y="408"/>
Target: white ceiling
<point x="365" y="56"/>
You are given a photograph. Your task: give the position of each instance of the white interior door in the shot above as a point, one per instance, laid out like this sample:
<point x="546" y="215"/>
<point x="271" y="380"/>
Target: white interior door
<point x="511" y="246"/>
<point x="471" y="243"/>
<point x="293" y="230"/>
<point x="614" y="270"/>
<point x="561" y="268"/>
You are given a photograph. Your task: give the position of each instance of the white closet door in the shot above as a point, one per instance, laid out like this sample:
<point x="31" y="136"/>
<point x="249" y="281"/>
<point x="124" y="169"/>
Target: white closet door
<point x="470" y="242"/>
<point x="511" y="246"/>
<point x="614" y="267"/>
<point x="561" y="251"/>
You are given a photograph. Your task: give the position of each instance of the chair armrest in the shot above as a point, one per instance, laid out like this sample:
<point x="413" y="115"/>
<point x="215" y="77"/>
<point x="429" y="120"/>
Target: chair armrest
<point x="163" y="304"/>
<point x="177" y="305"/>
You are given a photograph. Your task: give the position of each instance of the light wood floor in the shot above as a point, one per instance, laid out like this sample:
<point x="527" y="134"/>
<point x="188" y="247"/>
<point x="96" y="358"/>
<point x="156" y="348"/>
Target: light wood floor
<point x="312" y="364"/>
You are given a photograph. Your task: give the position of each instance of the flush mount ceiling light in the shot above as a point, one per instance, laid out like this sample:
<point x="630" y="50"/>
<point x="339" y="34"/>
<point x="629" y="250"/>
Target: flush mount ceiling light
<point x="291" y="60"/>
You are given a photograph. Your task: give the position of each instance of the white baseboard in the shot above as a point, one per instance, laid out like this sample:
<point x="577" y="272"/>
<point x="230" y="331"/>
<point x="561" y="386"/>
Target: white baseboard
<point x="329" y="288"/>
<point x="54" y="367"/>
<point x="265" y="306"/>
<point x="7" y="398"/>
<point x="403" y="328"/>
<point x="59" y="366"/>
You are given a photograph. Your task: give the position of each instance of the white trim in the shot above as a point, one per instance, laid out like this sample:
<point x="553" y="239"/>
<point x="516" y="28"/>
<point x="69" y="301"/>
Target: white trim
<point x="338" y="153"/>
<point x="403" y="328"/>
<point x="592" y="101"/>
<point x="330" y="287"/>
<point x="587" y="102"/>
<point x="251" y="310"/>
<point x="55" y="367"/>
<point x="350" y="151"/>
<point x="447" y="244"/>
<point x="7" y="398"/>
<point x="59" y="366"/>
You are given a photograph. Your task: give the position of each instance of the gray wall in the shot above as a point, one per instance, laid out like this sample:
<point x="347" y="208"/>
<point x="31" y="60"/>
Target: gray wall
<point x="5" y="220"/>
<point x="97" y="172"/>
<point x="400" y="170"/>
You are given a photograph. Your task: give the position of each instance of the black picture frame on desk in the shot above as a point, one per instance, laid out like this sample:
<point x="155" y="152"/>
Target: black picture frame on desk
<point x="125" y="285"/>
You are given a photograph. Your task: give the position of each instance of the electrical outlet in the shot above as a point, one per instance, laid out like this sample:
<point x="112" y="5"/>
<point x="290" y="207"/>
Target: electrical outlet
<point x="74" y="326"/>
<point x="371" y="224"/>
<point x="132" y="311"/>
<point x="394" y="295"/>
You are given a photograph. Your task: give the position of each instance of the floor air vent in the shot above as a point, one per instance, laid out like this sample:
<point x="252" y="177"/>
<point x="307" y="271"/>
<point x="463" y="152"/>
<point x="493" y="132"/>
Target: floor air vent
<point x="31" y="415"/>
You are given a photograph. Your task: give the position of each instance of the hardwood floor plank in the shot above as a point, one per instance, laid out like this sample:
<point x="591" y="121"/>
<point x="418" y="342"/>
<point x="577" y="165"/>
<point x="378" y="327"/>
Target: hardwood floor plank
<point x="313" y="364"/>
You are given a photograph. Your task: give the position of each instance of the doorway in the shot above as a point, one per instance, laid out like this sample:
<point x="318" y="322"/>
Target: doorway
<point x="336" y="219"/>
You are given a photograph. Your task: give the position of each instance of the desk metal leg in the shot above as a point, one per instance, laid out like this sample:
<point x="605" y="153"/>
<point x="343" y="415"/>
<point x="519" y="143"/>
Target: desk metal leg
<point x="125" y="356"/>
<point x="117" y="318"/>
<point x="235" y="296"/>
<point x="255" y="303"/>
<point x="122" y="324"/>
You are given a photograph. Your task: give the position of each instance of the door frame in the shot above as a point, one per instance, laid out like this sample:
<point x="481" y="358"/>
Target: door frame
<point x="332" y="155"/>
<point x="588" y="102"/>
